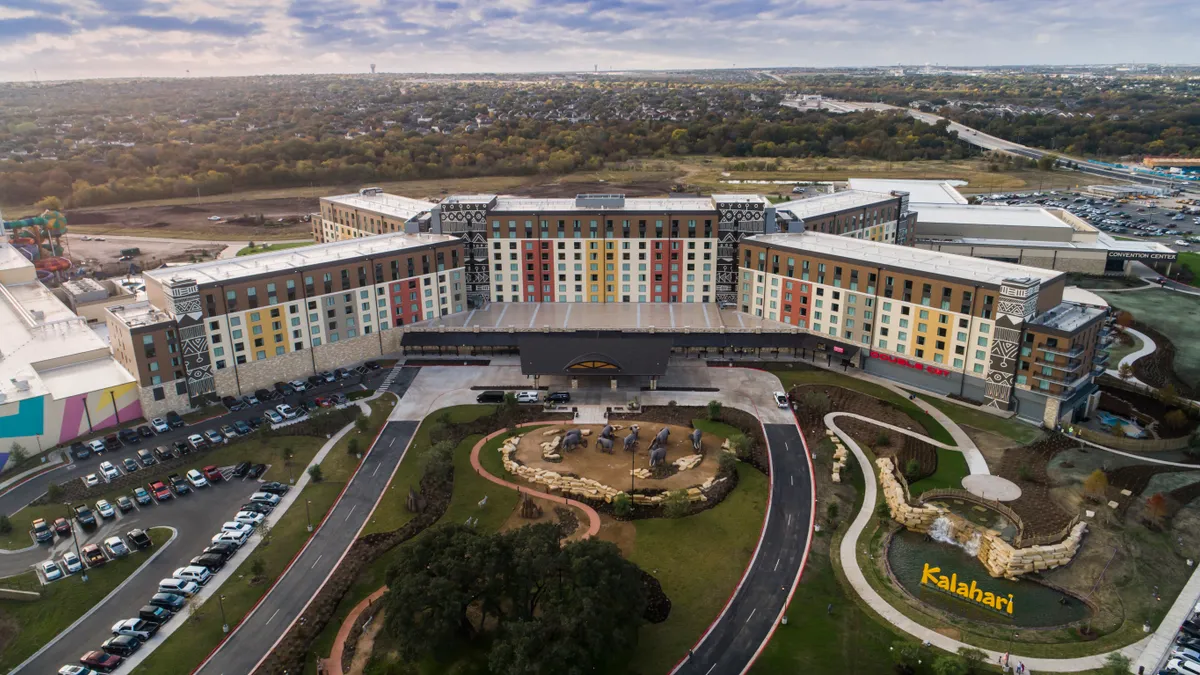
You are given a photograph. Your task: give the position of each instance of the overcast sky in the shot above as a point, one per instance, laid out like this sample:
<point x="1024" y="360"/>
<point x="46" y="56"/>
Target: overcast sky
<point x="65" y="39"/>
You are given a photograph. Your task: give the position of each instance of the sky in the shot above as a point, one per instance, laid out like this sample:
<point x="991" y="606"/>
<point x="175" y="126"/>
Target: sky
<point x="72" y="39"/>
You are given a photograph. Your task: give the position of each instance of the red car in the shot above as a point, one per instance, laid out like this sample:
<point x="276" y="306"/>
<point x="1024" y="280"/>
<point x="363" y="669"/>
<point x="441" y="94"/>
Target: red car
<point x="101" y="661"/>
<point x="323" y="401"/>
<point x="62" y="527"/>
<point x="212" y="473"/>
<point x="160" y="491"/>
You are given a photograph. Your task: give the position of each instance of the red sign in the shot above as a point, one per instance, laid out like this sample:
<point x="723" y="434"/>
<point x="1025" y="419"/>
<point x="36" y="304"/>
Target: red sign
<point x="839" y="350"/>
<point x="915" y="365"/>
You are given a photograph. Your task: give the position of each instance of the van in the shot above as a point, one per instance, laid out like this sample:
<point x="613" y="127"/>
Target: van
<point x="1182" y="667"/>
<point x="490" y="397"/>
<point x="146" y="457"/>
<point x="559" y="397"/>
<point x="195" y="573"/>
<point x="179" y="587"/>
<point x="528" y="397"/>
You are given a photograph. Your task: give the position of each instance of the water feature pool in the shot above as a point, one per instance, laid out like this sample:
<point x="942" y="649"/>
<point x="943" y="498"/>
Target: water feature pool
<point x="1132" y="429"/>
<point x="1034" y="605"/>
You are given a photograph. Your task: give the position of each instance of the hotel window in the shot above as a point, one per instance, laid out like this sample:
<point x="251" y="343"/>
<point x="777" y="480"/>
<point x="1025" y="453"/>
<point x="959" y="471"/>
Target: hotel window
<point x="982" y="342"/>
<point x="979" y="369"/>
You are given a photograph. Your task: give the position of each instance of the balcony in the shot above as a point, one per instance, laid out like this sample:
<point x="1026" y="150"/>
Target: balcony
<point x="1069" y="366"/>
<point x="1101" y="358"/>
<point x="1072" y="352"/>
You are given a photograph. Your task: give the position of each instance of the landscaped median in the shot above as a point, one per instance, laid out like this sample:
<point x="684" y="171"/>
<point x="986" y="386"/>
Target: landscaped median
<point x="243" y="587"/>
<point x="30" y="625"/>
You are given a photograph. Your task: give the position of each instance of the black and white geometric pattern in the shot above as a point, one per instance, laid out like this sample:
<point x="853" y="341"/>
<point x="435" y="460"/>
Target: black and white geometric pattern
<point x="189" y="321"/>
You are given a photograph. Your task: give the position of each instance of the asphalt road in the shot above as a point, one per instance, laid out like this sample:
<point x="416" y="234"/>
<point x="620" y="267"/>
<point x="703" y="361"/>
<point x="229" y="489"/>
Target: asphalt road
<point x="730" y="645"/>
<point x="257" y="635"/>
<point x="196" y="517"/>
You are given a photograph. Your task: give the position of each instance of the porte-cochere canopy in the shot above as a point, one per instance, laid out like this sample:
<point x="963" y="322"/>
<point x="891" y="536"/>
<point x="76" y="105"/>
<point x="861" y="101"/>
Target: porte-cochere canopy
<point x="594" y="363"/>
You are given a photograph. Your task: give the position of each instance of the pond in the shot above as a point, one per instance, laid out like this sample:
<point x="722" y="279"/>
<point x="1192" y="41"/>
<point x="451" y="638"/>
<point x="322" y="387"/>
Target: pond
<point x="1033" y="605"/>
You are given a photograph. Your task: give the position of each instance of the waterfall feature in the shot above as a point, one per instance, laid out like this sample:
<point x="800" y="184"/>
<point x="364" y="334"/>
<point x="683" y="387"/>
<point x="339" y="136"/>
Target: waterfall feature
<point x="943" y="530"/>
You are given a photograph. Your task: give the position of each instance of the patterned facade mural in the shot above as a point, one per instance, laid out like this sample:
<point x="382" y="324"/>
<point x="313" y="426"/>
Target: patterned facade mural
<point x="62" y="421"/>
<point x="735" y="220"/>
<point x="469" y="221"/>
<point x="1017" y="304"/>
<point x="189" y="318"/>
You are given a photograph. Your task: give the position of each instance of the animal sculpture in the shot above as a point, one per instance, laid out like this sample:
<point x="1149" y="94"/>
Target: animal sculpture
<point x="604" y="445"/>
<point x="658" y="456"/>
<point x="696" y="440"/>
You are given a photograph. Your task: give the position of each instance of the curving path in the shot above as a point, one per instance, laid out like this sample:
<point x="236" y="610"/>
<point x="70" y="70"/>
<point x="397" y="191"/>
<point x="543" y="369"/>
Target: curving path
<point x="1148" y="347"/>
<point x="847" y="554"/>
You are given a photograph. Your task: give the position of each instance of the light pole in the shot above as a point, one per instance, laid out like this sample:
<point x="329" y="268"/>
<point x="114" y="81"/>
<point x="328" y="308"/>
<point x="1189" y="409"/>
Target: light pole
<point x="224" y="623"/>
<point x="308" y="513"/>
<point x="82" y="568"/>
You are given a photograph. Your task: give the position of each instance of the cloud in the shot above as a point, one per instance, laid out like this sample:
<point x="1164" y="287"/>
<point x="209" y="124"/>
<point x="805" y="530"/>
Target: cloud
<point x="144" y="37"/>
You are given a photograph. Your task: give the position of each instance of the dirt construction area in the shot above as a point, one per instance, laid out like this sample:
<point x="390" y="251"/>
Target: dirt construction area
<point x="255" y="220"/>
<point x="614" y="469"/>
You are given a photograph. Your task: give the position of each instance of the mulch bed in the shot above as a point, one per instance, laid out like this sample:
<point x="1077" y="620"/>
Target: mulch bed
<point x="351" y="646"/>
<point x="683" y="415"/>
<point x="1157" y="368"/>
<point x="1041" y="513"/>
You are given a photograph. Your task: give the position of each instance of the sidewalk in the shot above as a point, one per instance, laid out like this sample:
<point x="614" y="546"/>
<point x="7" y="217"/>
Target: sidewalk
<point x="1148" y="347"/>
<point x="53" y="459"/>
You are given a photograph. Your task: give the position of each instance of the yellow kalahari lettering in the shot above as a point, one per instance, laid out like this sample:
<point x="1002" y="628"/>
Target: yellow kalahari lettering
<point x="989" y="599"/>
<point x="1010" y="599"/>
<point x="929" y="574"/>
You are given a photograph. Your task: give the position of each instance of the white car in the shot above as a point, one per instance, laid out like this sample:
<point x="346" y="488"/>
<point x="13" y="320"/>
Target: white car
<point x="215" y="219"/>
<point x="265" y="498"/>
<point x="133" y="628"/>
<point x="115" y="547"/>
<point x="110" y="472"/>
<point x="248" y="517"/>
<point x="298" y="385"/>
<point x="196" y="478"/>
<point x="274" y="417"/>
<point x="97" y="446"/>
<point x="179" y="587"/>
<point x="77" y="670"/>
<point x="50" y="570"/>
<point x="196" y="441"/>
<point x="1182" y="667"/>
<point x="286" y="410"/>
<point x="229" y="538"/>
<point x="781" y="399"/>
<point x="105" y="509"/>
<point x="160" y="425"/>
<point x="195" y="573"/>
<point x="1180" y="242"/>
<point x="72" y="562"/>
<point x="528" y="397"/>
<point x="91" y="480"/>
<point x="236" y="527"/>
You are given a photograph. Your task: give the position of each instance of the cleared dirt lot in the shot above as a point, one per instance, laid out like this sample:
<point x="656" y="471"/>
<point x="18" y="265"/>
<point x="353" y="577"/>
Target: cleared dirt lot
<point x="240" y="220"/>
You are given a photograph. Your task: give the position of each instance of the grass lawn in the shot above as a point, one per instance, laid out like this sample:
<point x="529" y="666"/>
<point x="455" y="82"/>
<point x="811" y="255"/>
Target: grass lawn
<point x="1009" y="428"/>
<point x="719" y="429"/>
<point x="266" y="248"/>
<point x="63" y="602"/>
<point x="204" y="413"/>
<point x="185" y="649"/>
<point x="1171" y="313"/>
<point x="791" y="378"/>
<point x="1119" y="351"/>
<point x="951" y="469"/>
<point x="1191" y="261"/>
<point x="679" y="552"/>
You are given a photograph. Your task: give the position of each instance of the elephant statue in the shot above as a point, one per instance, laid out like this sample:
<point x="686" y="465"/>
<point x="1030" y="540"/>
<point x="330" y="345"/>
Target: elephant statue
<point x="606" y="432"/>
<point x="631" y="442"/>
<point x="696" y="440"/>
<point x="570" y="442"/>
<point x="658" y="455"/>
<point x="661" y="438"/>
<point x="604" y="445"/>
<point x="633" y="431"/>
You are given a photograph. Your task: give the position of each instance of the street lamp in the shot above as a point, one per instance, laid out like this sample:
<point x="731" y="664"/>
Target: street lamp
<point x="308" y="513"/>
<point x="78" y="554"/>
<point x="224" y="623"/>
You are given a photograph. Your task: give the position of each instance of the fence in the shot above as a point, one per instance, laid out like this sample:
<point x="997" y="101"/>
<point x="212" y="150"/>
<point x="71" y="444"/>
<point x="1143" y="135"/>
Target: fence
<point x="1133" y="444"/>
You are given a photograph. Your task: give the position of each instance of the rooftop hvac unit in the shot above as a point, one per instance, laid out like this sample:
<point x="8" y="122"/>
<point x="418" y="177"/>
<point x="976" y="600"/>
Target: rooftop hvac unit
<point x="37" y="314"/>
<point x="21" y="385"/>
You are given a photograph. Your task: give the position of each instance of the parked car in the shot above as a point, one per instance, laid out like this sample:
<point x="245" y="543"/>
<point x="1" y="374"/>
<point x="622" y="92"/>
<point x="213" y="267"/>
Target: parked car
<point x="228" y="431"/>
<point x="781" y="399"/>
<point x="274" y="487"/>
<point x="145" y="431"/>
<point x="231" y="403"/>
<point x="160" y="491"/>
<point x="254" y="507"/>
<point x="236" y="527"/>
<point x="105" y="509"/>
<point x="250" y="400"/>
<point x="168" y="601"/>
<point x="41" y="531"/>
<point x="101" y="662"/>
<point x="116" y="548"/>
<point x="195" y="573"/>
<point x="323" y="401"/>
<point x="315" y="380"/>
<point x="97" y="446"/>
<point x="160" y="425"/>
<point x="209" y="561"/>
<point x="248" y="518"/>
<point x="212" y="473"/>
<point x="179" y="587"/>
<point x="234" y="538"/>
<point x="174" y="420"/>
<point x="559" y="397"/>
<point x="241" y="428"/>
<point x="265" y="498"/>
<point x="129" y="437"/>
<point x="182" y="448"/>
<point x="162" y="453"/>
<point x="196" y="441"/>
<point x="93" y="555"/>
<point x="141" y="496"/>
<point x="491" y="396"/>
<point x="298" y="385"/>
<point x="110" y="472"/>
<point x="214" y="437"/>
<point x="138" y="628"/>
<point x="340" y="399"/>
<point x="178" y="485"/>
<point x="80" y="451"/>
<point x="139" y="538"/>
<point x="196" y="479"/>
<point x="224" y="550"/>
<point x="130" y="465"/>
<point x="76" y="670"/>
<point x="112" y="443"/>
<point x="83" y="515"/>
<point x="283" y="388"/>
<point x="50" y="570"/>
<point x="146" y="457"/>
<point x="340" y="373"/>
<point x="241" y="469"/>
<point x="256" y="471"/>
<point x="62" y="526"/>
<point x="372" y="365"/>
<point x="1182" y="667"/>
<point x="155" y="615"/>
<point x="528" y="397"/>
<point x="263" y="395"/>
<point x="122" y="645"/>
<point x="71" y="562"/>
<point x="329" y="377"/>
<point x="124" y="504"/>
<point x="253" y="422"/>
<point x="286" y="411"/>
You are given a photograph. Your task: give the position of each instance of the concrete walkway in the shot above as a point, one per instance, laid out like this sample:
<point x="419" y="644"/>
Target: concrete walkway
<point x="333" y="664"/>
<point x="975" y="460"/>
<point x="847" y="554"/>
<point x="1148" y="347"/>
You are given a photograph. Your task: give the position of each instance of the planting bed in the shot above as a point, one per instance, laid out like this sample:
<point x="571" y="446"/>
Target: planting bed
<point x="1026" y="466"/>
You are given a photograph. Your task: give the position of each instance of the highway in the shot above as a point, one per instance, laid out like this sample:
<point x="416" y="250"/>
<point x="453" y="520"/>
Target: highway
<point x="258" y="634"/>
<point x="748" y="620"/>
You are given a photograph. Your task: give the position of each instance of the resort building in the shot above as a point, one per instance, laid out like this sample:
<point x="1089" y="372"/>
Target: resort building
<point x="368" y="212"/>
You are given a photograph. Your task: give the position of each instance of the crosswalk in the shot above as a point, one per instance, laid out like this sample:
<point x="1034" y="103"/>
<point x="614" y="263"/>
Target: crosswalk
<point x="391" y="376"/>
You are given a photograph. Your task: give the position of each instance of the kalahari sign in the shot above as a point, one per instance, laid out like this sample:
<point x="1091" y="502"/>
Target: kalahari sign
<point x="932" y="576"/>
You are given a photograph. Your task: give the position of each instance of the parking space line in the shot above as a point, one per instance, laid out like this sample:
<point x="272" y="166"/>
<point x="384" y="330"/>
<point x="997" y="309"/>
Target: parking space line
<point x="377" y="465"/>
<point x="351" y="511"/>
<point x="314" y="565"/>
<point x="272" y="617"/>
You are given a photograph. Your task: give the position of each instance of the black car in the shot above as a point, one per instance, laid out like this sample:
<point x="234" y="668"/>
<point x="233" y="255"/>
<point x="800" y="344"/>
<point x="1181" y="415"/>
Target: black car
<point x="339" y="373"/>
<point x="255" y="507"/>
<point x="112" y="442"/>
<point x="181" y="448"/>
<point x="315" y="381"/>
<point x="145" y="431"/>
<point x="233" y="404"/>
<point x="256" y="471"/>
<point x="122" y="645"/>
<point x="241" y="469"/>
<point x="283" y="388"/>
<point x="253" y="422"/>
<point x="130" y="465"/>
<point x="223" y="549"/>
<point x="371" y="365"/>
<point x="163" y="453"/>
<point x="139" y="538"/>
<point x="174" y="420"/>
<point x="242" y="428"/>
<point x="80" y="451"/>
<point x="274" y="488"/>
<point x="361" y="370"/>
<point x="263" y="395"/>
<point x="168" y="601"/>
<point x="559" y="397"/>
<point x="211" y="561"/>
<point x="155" y="615"/>
<point x="129" y="436"/>
<point x="490" y="397"/>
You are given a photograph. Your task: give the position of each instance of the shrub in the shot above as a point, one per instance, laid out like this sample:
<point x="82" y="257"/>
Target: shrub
<point x="258" y="568"/>
<point x="622" y="505"/>
<point x="975" y="658"/>
<point x="882" y="510"/>
<point x="54" y="493"/>
<point x="1024" y="472"/>
<point x="728" y="463"/>
<point x="17" y="454"/>
<point x="883" y="439"/>
<point x="676" y="504"/>
<point x="817" y="401"/>
<point x="831" y="511"/>
<point x="742" y="445"/>
<point x="1175" y="420"/>
<point x="6" y="526"/>
<point x="1095" y="487"/>
<point x="315" y="473"/>
<point x="352" y="447"/>
<point x="714" y="410"/>
<point x="950" y="664"/>
<point x="361" y="422"/>
<point x="912" y="468"/>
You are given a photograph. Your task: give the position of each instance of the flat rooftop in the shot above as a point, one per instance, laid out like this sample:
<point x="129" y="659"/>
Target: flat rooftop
<point x="1103" y="243"/>
<point x="505" y="203"/>
<point x="541" y="316"/>
<point x="831" y="203"/>
<point x="1004" y="216"/>
<point x="1067" y="317"/>
<point x="11" y="258"/>
<point x="219" y="271"/>
<point x="919" y="191"/>
<point x="918" y="260"/>
<point x="139" y="314"/>
<point x="385" y="204"/>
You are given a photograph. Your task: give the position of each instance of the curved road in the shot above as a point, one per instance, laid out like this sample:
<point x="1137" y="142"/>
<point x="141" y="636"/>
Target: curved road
<point x="743" y="628"/>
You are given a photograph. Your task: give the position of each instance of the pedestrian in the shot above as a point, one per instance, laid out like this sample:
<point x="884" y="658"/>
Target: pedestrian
<point x="829" y="608"/>
<point x="690" y="654"/>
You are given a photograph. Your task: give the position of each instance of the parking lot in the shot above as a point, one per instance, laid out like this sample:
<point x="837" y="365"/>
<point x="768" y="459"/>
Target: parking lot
<point x="1158" y="220"/>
